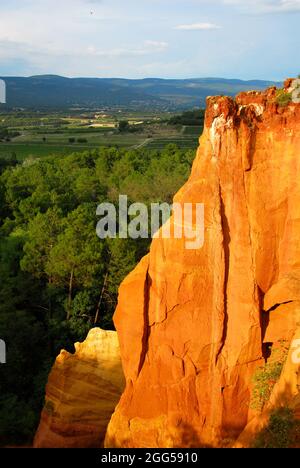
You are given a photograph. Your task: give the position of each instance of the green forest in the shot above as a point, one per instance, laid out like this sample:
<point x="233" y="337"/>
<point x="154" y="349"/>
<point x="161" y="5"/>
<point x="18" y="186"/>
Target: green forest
<point x="58" y="279"/>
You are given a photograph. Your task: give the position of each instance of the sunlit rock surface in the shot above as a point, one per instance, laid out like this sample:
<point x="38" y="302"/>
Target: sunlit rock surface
<point x="193" y="324"/>
<point x="82" y="392"/>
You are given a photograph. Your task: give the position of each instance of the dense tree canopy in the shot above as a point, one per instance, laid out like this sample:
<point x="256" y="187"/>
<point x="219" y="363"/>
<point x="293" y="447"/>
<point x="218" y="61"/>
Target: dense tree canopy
<point x="193" y="117"/>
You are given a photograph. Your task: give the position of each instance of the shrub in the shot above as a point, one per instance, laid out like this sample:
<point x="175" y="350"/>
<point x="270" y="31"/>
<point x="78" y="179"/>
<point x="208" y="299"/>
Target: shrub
<point x="283" y="98"/>
<point x="281" y="431"/>
<point x="82" y="140"/>
<point x="123" y="126"/>
<point x="266" y="377"/>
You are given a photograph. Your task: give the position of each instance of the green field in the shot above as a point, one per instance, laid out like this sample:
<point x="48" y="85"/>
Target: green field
<point x="36" y="148"/>
<point x="38" y="151"/>
<point x="41" y="135"/>
<point x="23" y="151"/>
<point x="32" y="145"/>
<point x="182" y="143"/>
<point x="191" y="130"/>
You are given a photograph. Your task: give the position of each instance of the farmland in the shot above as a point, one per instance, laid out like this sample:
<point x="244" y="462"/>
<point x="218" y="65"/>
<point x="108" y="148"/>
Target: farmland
<point x="37" y="134"/>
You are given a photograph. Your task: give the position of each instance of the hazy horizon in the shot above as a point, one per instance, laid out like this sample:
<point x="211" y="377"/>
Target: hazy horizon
<point x="231" y="78"/>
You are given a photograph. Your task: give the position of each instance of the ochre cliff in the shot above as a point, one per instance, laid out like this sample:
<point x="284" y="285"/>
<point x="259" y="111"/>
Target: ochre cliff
<point x="194" y="325"/>
<point x="82" y="392"/>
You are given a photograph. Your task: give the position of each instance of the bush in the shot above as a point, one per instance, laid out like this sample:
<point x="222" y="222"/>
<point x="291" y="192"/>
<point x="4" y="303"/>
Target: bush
<point x="82" y="140"/>
<point x="189" y="118"/>
<point x="266" y="377"/>
<point x="281" y="432"/>
<point x="123" y="126"/>
<point x="283" y="98"/>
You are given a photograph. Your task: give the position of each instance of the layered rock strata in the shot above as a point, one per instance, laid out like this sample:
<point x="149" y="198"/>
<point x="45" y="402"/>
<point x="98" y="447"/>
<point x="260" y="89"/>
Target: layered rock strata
<point x="82" y="391"/>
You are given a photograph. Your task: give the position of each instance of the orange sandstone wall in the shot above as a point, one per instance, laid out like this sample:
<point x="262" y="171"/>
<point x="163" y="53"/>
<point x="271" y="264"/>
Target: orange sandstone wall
<point x="82" y="392"/>
<point x="192" y="323"/>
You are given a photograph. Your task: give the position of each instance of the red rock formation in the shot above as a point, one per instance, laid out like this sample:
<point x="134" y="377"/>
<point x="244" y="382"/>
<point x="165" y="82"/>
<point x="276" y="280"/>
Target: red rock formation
<point x="82" y="392"/>
<point x="192" y="323"/>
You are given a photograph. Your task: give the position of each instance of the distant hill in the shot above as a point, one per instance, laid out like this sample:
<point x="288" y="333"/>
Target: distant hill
<point x="50" y="91"/>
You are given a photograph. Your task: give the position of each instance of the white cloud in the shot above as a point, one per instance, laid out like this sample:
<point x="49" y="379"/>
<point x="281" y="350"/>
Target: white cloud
<point x="197" y="27"/>
<point x="284" y="6"/>
<point x="158" y="46"/>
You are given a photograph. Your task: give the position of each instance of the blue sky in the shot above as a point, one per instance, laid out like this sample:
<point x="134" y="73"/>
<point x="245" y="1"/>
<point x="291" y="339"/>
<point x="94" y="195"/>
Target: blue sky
<point x="151" y="38"/>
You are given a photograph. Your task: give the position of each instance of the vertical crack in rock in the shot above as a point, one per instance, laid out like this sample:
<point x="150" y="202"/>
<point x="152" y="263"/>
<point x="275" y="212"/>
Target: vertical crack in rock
<point x="226" y="242"/>
<point x="257" y="299"/>
<point x="249" y="116"/>
<point x="264" y="319"/>
<point x="145" y="338"/>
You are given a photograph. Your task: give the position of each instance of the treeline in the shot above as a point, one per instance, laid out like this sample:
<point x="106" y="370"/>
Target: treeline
<point x="71" y="130"/>
<point x="57" y="278"/>
<point x="189" y="118"/>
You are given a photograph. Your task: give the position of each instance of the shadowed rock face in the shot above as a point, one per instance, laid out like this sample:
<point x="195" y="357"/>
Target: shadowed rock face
<point x="192" y="323"/>
<point x="82" y="392"/>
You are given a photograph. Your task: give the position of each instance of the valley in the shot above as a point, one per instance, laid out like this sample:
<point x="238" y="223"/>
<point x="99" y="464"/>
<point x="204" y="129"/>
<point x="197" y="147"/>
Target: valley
<point x="39" y="134"/>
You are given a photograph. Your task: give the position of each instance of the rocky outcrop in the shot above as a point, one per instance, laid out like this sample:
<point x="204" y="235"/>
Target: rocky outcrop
<point x="195" y="324"/>
<point x="82" y="392"/>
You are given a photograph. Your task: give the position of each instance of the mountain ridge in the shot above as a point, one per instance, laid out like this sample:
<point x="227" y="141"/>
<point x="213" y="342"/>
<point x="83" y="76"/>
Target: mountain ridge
<point x="54" y="91"/>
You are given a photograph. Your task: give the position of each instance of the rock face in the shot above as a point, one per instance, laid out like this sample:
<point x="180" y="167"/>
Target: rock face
<point x="82" y="392"/>
<point x="195" y="324"/>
